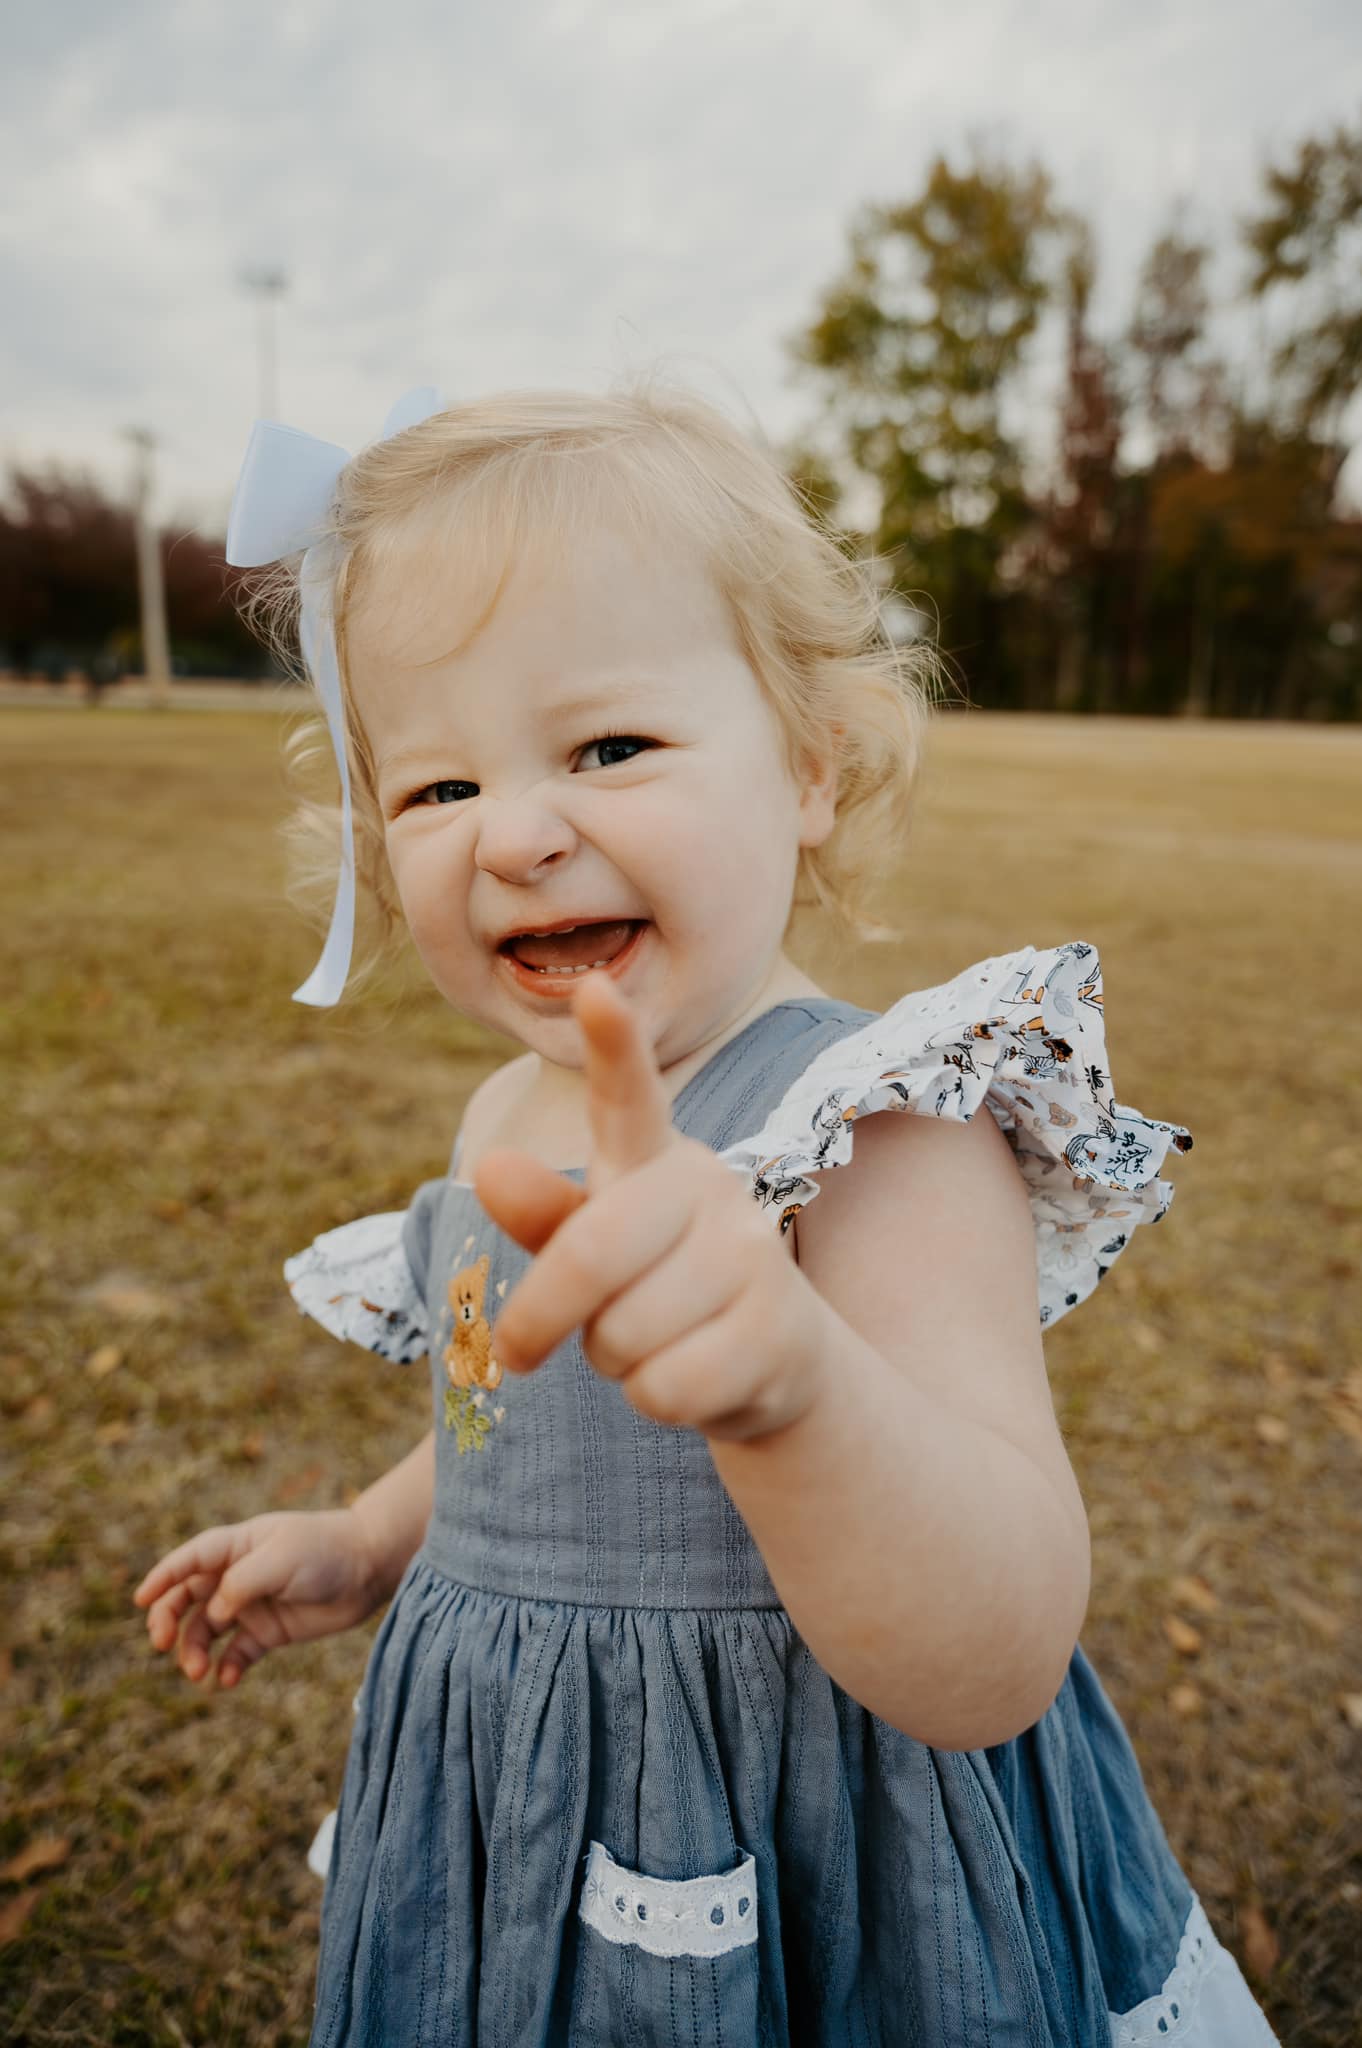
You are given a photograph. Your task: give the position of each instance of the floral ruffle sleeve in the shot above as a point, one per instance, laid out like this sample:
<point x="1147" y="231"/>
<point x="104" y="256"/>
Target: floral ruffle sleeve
<point x="365" y="1281"/>
<point x="1024" y="1033"/>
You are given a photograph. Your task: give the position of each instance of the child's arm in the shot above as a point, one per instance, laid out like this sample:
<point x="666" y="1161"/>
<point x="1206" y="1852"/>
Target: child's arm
<point x="920" y="1516"/>
<point x="881" y="1417"/>
<point x="393" y="1514"/>
<point x="287" y="1578"/>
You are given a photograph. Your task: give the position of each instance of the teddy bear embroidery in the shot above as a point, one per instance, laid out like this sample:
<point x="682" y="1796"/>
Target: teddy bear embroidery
<point x="470" y="1368"/>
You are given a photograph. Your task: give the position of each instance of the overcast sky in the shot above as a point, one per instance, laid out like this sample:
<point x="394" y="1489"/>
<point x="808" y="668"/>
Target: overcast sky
<point x="549" y="191"/>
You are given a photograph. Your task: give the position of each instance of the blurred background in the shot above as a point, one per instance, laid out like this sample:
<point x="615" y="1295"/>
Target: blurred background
<point x="1059" y="309"/>
<point x="1055" y="310"/>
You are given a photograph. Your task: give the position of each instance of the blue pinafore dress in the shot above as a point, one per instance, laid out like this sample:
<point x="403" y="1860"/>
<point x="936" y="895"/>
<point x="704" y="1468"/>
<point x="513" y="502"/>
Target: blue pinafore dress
<point x="598" y="1790"/>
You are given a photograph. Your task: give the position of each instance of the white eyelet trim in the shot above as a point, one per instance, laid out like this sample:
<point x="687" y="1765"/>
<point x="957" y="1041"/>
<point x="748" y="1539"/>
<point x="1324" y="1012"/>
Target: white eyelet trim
<point x="1204" y="2001"/>
<point x="319" y="1855"/>
<point x="695" y="1916"/>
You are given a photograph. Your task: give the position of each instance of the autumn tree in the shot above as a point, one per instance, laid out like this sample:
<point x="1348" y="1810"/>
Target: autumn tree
<point x="68" y="583"/>
<point x="1079" y="520"/>
<point x="1179" y="383"/>
<point x="916" y="347"/>
<point x="1305" y="243"/>
<point x="67" y="569"/>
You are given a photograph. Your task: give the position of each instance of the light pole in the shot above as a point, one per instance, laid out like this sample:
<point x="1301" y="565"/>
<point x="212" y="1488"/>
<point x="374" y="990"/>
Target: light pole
<point x="267" y="287"/>
<point x="150" y="584"/>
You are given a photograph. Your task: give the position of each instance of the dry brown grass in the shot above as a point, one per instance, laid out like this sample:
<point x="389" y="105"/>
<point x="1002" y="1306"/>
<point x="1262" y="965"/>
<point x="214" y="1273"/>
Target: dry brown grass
<point x="175" y="1125"/>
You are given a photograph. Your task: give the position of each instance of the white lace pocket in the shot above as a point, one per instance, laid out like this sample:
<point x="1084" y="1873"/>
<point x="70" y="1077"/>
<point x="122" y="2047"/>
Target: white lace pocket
<point x="1204" y="2001"/>
<point x="693" y="1916"/>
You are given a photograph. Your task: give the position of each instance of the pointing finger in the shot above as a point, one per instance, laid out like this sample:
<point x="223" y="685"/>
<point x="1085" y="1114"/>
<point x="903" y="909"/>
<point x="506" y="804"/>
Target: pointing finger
<point x="631" y="1119"/>
<point x="525" y="1198"/>
<point x="608" y="1243"/>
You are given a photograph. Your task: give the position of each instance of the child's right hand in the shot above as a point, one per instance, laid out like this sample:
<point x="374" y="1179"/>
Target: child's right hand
<point x="279" y="1578"/>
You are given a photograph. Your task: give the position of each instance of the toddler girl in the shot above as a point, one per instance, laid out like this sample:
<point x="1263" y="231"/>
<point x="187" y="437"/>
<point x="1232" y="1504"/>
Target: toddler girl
<point x="730" y="1690"/>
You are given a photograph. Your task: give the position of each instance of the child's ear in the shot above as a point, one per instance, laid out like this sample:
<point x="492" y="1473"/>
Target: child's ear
<point x="818" y="790"/>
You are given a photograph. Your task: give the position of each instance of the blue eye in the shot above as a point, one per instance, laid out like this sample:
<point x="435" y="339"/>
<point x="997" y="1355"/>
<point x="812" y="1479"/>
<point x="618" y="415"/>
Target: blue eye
<point x="432" y="793"/>
<point x="609" y="744"/>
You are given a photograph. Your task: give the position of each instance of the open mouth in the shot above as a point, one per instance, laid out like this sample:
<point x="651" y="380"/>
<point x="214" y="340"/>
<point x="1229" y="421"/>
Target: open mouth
<point x="568" y="950"/>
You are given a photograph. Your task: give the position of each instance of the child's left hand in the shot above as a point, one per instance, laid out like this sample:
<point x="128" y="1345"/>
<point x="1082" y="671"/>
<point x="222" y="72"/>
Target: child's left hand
<point x="682" y="1289"/>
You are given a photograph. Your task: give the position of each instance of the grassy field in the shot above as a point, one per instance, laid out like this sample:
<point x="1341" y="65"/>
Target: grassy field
<point x="175" y="1126"/>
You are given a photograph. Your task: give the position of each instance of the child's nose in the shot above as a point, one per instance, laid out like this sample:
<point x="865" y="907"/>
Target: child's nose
<point x="518" y="836"/>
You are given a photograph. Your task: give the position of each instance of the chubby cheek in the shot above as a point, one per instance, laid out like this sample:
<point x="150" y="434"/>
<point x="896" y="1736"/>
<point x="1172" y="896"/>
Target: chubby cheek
<point x="722" y="871"/>
<point x="433" y="897"/>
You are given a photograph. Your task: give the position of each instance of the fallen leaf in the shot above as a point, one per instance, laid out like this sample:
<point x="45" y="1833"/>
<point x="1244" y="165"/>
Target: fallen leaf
<point x="1261" y="1947"/>
<point x="123" y="1294"/>
<point x="115" y="1432"/>
<point x="1343" y="1416"/>
<point x="14" y="1912"/>
<point x="1351" y="1703"/>
<point x="1185" y="1700"/>
<point x="1322" y="1619"/>
<point x="296" y="1484"/>
<point x="44" y="1852"/>
<point x="1278" y="1373"/>
<point x="1191" y="1589"/>
<point x="1186" y="1640"/>
<point x="169" y="1210"/>
<point x="104" y="1361"/>
<point x="1272" y="1429"/>
<point x="252" y="1447"/>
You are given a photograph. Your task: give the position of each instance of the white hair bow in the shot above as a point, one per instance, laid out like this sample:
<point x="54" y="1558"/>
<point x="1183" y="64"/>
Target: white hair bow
<point x="282" y="505"/>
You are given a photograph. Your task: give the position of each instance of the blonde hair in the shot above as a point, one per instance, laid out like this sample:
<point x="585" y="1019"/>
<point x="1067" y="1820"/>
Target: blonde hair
<point x="492" y="473"/>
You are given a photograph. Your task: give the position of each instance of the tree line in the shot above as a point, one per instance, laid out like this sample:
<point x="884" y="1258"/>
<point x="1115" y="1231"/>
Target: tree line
<point x="1188" y="550"/>
<point x="68" y="587"/>
<point x="1184" y="549"/>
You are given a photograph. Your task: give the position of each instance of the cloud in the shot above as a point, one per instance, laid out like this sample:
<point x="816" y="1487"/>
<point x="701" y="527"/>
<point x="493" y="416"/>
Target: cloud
<point x="545" y="190"/>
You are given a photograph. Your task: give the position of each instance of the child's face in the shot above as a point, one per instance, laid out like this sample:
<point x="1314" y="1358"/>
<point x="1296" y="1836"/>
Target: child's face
<point x="506" y="810"/>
